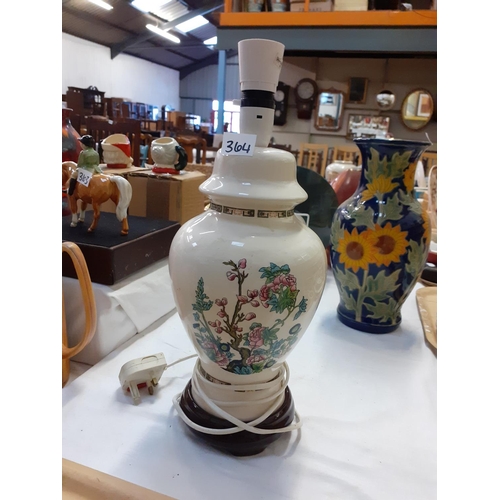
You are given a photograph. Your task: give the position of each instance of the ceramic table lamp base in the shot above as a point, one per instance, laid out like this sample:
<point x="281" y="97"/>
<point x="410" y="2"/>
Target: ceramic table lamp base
<point x="247" y="276"/>
<point x="231" y="435"/>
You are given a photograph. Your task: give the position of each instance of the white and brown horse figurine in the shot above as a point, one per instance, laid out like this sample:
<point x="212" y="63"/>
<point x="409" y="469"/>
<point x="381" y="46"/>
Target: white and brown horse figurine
<point x="101" y="188"/>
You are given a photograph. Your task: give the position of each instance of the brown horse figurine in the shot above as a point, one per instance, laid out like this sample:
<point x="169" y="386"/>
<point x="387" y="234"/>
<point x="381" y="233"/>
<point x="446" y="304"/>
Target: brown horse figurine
<point x="101" y="188"/>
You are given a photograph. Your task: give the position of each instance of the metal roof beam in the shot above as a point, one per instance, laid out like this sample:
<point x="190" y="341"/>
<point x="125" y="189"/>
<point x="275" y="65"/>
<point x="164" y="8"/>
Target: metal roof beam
<point x="118" y="48"/>
<point x="207" y="61"/>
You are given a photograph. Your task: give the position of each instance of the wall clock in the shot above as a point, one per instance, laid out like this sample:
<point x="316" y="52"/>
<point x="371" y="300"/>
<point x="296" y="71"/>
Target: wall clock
<point x="281" y="102"/>
<point x="306" y="92"/>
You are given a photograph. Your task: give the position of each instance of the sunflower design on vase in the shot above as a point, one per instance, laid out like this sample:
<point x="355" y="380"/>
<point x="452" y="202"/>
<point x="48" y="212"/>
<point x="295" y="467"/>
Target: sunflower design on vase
<point x="380" y="237"/>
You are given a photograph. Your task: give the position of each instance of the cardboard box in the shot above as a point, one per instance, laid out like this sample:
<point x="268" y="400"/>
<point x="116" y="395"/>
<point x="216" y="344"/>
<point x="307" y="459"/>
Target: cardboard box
<point x="314" y="6"/>
<point x="165" y="196"/>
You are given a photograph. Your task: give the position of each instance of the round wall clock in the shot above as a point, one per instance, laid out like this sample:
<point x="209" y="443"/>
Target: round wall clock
<point x="306" y="92"/>
<point x="281" y="103"/>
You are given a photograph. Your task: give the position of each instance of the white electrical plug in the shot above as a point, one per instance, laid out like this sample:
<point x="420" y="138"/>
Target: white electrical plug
<point x="142" y="372"/>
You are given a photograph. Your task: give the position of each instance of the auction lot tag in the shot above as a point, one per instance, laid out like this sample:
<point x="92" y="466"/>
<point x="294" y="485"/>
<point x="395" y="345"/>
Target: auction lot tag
<point x="84" y="176"/>
<point x="238" y="144"/>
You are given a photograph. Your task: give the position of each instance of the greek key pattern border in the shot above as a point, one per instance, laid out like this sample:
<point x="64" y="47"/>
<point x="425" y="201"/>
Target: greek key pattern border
<point x="250" y="212"/>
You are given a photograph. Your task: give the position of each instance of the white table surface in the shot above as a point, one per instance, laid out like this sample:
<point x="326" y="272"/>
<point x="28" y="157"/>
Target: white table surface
<point x="368" y="404"/>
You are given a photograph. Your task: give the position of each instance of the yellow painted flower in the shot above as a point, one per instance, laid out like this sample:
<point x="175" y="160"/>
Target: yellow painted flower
<point x="388" y="242"/>
<point x="355" y="250"/>
<point x="427" y="225"/>
<point x="381" y="185"/>
<point x="409" y="178"/>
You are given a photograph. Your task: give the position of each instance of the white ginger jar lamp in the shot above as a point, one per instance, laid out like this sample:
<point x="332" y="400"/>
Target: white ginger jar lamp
<point x="248" y="275"/>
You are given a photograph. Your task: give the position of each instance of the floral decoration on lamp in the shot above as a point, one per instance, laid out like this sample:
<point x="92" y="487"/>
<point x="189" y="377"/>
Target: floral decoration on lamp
<point x="247" y="348"/>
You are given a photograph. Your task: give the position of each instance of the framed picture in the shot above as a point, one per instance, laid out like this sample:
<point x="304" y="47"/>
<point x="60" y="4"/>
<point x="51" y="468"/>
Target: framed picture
<point x="367" y="126"/>
<point x="357" y="90"/>
<point x="424" y="106"/>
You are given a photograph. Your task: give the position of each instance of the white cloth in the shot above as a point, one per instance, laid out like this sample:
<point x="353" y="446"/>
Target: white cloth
<point x="123" y="309"/>
<point x="368" y="403"/>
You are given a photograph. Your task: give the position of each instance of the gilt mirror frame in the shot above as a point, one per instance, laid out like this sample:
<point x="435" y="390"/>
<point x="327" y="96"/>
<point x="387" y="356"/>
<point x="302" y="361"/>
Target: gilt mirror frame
<point x="423" y="111"/>
<point x="326" y="128"/>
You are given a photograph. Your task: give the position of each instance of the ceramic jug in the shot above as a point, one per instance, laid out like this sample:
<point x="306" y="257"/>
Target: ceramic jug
<point x="168" y="156"/>
<point x="116" y="151"/>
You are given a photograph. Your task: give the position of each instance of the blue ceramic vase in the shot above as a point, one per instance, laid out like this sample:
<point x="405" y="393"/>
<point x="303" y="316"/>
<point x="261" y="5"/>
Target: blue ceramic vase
<point x="380" y="237"/>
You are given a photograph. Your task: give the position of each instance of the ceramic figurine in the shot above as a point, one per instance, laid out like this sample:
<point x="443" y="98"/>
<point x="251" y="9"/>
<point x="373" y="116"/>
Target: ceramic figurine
<point x="88" y="184"/>
<point x="248" y="275"/>
<point x="71" y="146"/>
<point x="168" y="156"/>
<point x="116" y="151"/>
<point x="380" y="237"/>
<point x="88" y="159"/>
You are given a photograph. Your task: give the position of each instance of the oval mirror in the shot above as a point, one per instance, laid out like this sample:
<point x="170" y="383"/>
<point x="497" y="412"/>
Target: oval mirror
<point x="417" y="109"/>
<point x="329" y="109"/>
<point x="386" y="99"/>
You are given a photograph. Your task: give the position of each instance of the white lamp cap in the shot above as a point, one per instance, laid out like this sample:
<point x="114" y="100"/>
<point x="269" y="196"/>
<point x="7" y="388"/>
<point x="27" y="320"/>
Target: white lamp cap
<point x="260" y="64"/>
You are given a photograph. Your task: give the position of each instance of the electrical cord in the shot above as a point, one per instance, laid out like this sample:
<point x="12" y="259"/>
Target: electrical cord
<point x="279" y="384"/>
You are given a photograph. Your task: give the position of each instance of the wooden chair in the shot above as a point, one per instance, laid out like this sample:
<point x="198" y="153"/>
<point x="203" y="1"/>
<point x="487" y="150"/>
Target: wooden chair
<point x="88" y="305"/>
<point x="428" y="161"/>
<point x="191" y="142"/>
<point x="317" y="155"/>
<point x="347" y="153"/>
<point x="284" y="147"/>
<point x="142" y="110"/>
<point x="100" y="129"/>
<point x="146" y="140"/>
<point x="114" y="107"/>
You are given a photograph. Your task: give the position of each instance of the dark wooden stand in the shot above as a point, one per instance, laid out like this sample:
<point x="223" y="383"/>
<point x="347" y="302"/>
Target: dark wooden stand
<point x="111" y="257"/>
<point x="242" y="443"/>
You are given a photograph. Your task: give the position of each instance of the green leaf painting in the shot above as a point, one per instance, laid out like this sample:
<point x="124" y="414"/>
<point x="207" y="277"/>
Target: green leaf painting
<point x="377" y="258"/>
<point x="391" y="209"/>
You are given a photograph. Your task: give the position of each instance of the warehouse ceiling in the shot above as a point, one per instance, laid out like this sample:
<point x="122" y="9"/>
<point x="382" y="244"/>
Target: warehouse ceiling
<point x="123" y="29"/>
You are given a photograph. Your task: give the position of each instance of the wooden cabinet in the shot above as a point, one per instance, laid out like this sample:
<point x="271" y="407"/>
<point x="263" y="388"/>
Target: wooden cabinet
<point x="85" y="102"/>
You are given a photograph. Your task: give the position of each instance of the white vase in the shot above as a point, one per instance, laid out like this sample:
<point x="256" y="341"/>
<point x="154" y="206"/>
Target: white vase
<point x="248" y="274"/>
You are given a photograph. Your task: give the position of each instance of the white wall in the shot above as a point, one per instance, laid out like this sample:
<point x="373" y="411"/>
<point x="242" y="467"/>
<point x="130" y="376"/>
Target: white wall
<point x="85" y="63"/>
<point x="199" y="88"/>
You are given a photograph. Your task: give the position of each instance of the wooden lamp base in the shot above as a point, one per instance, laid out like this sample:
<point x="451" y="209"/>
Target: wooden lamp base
<point x="242" y="443"/>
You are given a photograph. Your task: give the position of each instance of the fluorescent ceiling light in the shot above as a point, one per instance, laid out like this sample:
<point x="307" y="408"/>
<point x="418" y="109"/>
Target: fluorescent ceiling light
<point x="191" y="24"/>
<point x="211" y="41"/>
<point x="102" y="4"/>
<point x="163" y="33"/>
<point x="148" y="5"/>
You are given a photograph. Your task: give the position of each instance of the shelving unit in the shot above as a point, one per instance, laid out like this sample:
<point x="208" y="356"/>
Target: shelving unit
<point x="372" y="31"/>
<point x="369" y="18"/>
